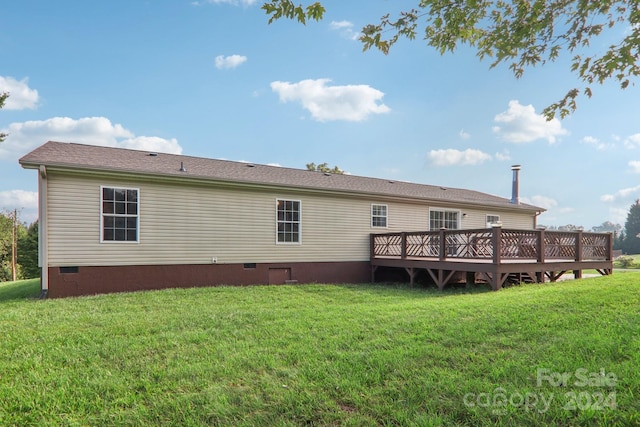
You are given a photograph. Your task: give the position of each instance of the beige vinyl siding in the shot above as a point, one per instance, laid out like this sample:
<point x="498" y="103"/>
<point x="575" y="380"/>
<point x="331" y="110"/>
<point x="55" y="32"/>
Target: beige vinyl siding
<point x="182" y="224"/>
<point x="476" y="218"/>
<point x="407" y="217"/>
<point x="191" y="224"/>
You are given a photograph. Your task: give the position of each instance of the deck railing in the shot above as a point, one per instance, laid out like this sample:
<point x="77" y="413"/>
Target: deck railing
<point x="494" y="244"/>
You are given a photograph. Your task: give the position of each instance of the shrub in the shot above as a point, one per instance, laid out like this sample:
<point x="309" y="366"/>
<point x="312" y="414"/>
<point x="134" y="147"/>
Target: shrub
<point x="625" y="261"/>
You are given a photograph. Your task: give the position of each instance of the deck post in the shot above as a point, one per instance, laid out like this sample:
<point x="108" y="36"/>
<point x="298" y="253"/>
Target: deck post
<point x="470" y="278"/>
<point x="496" y="241"/>
<point x="610" y="248"/>
<point x="540" y="245"/>
<point x="403" y="246"/>
<point x="577" y="274"/>
<point x="372" y="246"/>
<point x="579" y="245"/>
<point x="443" y="244"/>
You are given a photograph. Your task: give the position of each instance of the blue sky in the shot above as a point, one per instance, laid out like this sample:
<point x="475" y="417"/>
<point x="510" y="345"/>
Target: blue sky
<point x="213" y="79"/>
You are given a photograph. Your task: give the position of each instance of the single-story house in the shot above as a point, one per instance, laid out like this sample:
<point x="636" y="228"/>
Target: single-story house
<point x="115" y="219"/>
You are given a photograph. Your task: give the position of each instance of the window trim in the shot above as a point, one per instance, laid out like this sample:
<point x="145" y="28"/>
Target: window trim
<point x="458" y="218"/>
<point x="102" y="214"/>
<point x="299" y="222"/>
<point x="386" y="215"/>
<point x="489" y="224"/>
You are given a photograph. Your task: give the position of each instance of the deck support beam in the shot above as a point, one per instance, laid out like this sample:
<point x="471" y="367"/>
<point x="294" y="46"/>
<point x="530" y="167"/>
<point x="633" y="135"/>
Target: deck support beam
<point x="412" y="274"/>
<point x="553" y="276"/>
<point x="440" y="277"/>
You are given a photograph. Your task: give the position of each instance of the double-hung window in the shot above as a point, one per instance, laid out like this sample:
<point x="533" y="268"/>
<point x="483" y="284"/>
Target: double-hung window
<point x="441" y="218"/>
<point x="379" y="216"/>
<point x="288" y="221"/>
<point x="119" y="214"/>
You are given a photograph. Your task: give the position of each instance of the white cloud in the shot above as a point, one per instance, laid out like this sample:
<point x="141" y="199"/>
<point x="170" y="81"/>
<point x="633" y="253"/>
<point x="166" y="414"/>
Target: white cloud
<point x="152" y="143"/>
<point x="464" y="135"/>
<point x="632" y="141"/>
<point x="451" y="157"/>
<point x="18" y="199"/>
<point x="231" y="61"/>
<point x="624" y="193"/>
<point x="26" y="202"/>
<point x="345" y="28"/>
<point x="503" y="156"/>
<point x="635" y="166"/>
<point x="325" y="103"/>
<point x="25" y="136"/>
<point x="541" y="201"/>
<point x="21" y="96"/>
<point x="544" y="202"/>
<point x="595" y="142"/>
<point x="618" y="215"/>
<point x="340" y="25"/>
<point x="520" y="124"/>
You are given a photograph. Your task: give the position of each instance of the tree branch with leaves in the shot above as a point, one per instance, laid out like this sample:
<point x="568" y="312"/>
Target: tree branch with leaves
<point x="519" y="33"/>
<point x="3" y="98"/>
<point x="324" y="167"/>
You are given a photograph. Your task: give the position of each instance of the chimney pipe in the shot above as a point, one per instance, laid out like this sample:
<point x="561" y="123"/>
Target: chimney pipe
<point x="515" y="187"/>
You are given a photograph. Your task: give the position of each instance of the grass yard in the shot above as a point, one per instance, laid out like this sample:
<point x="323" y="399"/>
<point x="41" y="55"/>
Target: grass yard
<point x="551" y="354"/>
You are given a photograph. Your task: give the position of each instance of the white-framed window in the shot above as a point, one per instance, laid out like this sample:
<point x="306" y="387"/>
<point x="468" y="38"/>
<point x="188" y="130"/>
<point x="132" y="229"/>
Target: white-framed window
<point x="493" y="220"/>
<point x="119" y="214"/>
<point x="379" y="216"/>
<point x="288" y="221"/>
<point x="444" y="218"/>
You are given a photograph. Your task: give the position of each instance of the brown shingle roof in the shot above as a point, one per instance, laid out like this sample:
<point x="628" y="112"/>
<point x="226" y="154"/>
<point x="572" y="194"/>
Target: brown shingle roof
<point x="90" y="157"/>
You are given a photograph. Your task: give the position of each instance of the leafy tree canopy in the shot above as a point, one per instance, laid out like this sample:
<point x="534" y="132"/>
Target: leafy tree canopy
<point x="3" y="98"/>
<point x="631" y="244"/>
<point x="519" y="33"/>
<point x="324" y="167"/>
<point x="28" y="252"/>
<point x="27" y="239"/>
<point x="607" y="227"/>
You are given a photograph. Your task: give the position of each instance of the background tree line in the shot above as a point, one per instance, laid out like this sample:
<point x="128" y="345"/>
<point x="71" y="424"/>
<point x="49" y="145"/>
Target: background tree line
<point x="26" y="245"/>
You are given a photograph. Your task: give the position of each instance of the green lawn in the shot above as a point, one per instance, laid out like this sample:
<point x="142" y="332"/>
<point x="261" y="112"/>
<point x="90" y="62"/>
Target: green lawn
<point x="324" y="355"/>
<point x="19" y="290"/>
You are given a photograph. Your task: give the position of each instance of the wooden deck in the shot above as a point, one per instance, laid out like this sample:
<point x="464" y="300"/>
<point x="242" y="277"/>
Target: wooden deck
<point x="493" y="255"/>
